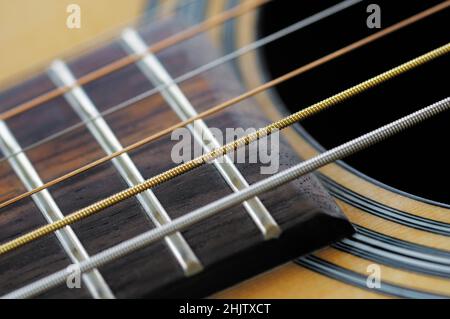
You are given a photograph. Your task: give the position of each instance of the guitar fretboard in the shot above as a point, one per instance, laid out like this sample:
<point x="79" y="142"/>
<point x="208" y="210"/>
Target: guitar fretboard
<point x="241" y="236"/>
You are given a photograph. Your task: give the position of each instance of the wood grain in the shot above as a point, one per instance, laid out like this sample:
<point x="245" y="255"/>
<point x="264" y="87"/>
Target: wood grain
<point x="311" y="284"/>
<point x="229" y="245"/>
<point x="288" y="281"/>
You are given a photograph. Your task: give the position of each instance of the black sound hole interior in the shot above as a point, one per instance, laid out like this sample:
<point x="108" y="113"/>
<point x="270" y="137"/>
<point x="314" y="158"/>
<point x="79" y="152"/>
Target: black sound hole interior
<point x="415" y="161"/>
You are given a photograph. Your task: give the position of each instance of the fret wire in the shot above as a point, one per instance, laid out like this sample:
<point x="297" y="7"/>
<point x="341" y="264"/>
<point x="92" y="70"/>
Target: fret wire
<point x="27" y="174"/>
<point x="123" y="62"/>
<point x="211" y="65"/>
<point x="141" y="241"/>
<point x="222" y="106"/>
<point x="103" y="134"/>
<point x="157" y="74"/>
<point x="230" y="147"/>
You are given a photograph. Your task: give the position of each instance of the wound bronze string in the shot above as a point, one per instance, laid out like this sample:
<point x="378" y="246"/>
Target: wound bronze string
<point x="234" y="101"/>
<point x="143" y="240"/>
<point x="189" y="33"/>
<point x="216" y="153"/>
<point x="199" y="70"/>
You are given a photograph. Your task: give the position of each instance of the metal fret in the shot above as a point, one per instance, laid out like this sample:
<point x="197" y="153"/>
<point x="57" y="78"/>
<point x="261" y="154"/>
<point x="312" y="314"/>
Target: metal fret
<point x="157" y="74"/>
<point x="338" y="153"/>
<point x="98" y="127"/>
<point x="23" y="168"/>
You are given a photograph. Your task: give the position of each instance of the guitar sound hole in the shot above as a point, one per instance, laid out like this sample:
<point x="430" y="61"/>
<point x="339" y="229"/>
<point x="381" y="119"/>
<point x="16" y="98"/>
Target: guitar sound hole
<point x="415" y="161"/>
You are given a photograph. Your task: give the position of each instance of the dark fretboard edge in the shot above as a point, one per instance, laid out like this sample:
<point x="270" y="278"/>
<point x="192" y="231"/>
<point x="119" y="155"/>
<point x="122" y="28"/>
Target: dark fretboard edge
<point x="294" y="242"/>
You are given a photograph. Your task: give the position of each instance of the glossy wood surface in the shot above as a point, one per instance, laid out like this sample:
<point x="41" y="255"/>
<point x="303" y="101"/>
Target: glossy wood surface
<point x="229" y="246"/>
<point x="406" y="279"/>
<point x="297" y="280"/>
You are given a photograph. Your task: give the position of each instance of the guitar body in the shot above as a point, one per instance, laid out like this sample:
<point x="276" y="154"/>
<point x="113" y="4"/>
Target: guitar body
<point x="394" y="227"/>
<point x="401" y="234"/>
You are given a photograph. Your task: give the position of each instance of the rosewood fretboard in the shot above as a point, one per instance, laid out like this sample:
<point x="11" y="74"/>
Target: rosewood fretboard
<point x="230" y="246"/>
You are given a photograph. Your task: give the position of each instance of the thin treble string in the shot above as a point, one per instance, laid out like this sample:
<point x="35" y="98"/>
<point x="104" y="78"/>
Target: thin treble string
<point x="218" y="152"/>
<point x="136" y="22"/>
<point x="229" y="103"/>
<point x="182" y="223"/>
<point x="189" y="33"/>
<point x="198" y="71"/>
<point x="106" y="35"/>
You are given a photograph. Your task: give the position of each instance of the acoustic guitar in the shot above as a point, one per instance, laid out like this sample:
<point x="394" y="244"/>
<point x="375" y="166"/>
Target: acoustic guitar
<point x="229" y="149"/>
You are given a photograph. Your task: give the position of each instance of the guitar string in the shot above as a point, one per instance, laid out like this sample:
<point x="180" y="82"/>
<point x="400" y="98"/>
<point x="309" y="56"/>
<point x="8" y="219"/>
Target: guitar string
<point x="182" y="223"/>
<point x="222" y="60"/>
<point x="104" y="36"/>
<point x="226" y="104"/>
<point x="0" y="159"/>
<point x="170" y="41"/>
<point x="227" y="148"/>
<point x="213" y="64"/>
